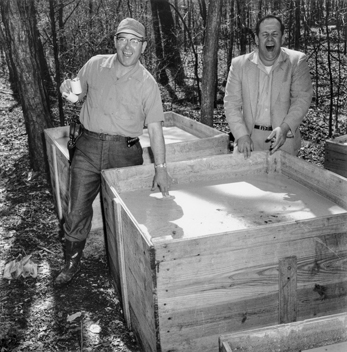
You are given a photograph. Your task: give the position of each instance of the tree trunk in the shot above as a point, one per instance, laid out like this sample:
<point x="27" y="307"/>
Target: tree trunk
<point x="231" y="37"/>
<point x="241" y="20"/>
<point x="25" y="50"/>
<point x="297" y="26"/>
<point x="209" y="73"/>
<point x="56" y="61"/>
<point x="331" y="82"/>
<point x="164" y="29"/>
<point x="161" y="74"/>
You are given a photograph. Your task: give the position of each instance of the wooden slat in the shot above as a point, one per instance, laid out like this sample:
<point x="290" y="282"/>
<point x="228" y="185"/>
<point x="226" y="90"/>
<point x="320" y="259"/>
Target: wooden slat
<point x="188" y="150"/>
<point x="225" y="347"/>
<point x="287" y="282"/>
<point x="336" y="347"/>
<point x="193" y="127"/>
<point x="336" y="155"/>
<point x="216" y="167"/>
<point x="140" y="276"/>
<point x="324" y="182"/>
<point x="290" y="337"/>
<point x="56" y="184"/>
<point x="121" y="261"/>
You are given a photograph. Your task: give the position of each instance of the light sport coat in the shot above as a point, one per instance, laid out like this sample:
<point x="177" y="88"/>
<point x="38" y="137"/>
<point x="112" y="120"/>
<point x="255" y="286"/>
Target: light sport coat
<point x="291" y="94"/>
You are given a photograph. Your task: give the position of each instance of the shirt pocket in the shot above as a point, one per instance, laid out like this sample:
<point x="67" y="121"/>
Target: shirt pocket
<point x="130" y="109"/>
<point x="93" y="96"/>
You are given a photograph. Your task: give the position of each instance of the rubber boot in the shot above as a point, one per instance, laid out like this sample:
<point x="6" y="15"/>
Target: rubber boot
<point x="73" y="254"/>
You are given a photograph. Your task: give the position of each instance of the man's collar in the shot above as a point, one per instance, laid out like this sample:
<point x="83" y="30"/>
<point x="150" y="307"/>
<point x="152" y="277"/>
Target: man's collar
<point x="110" y="61"/>
<point x="256" y="60"/>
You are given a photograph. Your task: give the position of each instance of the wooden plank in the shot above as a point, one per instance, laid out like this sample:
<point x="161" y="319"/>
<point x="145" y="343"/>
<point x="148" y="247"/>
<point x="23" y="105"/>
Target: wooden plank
<point x="179" y="332"/>
<point x="57" y="132"/>
<point x="290" y="337"/>
<point x="56" y="183"/>
<point x="277" y="234"/>
<point x="336" y="347"/>
<point x="121" y="261"/>
<point x="287" y="290"/>
<point x="140" y="275"/>
<point x="324" y="182"/>
<point x="216" y="167"/>
<point x="225" y="347"/>
<point x="336" y="156"/>
<point x="62" y="176"/>
<point x="194" y="127"/>
<point x="188" y="150"/>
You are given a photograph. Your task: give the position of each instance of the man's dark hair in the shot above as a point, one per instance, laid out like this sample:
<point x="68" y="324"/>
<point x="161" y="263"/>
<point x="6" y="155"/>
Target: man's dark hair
<point x="267" y="17"/>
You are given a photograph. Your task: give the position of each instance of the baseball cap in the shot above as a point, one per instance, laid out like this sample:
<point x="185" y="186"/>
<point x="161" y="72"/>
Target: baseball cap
<point x="129" y="25"/>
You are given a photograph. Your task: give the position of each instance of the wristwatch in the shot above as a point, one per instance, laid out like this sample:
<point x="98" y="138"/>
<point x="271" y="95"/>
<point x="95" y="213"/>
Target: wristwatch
<point x="163" y="165"/>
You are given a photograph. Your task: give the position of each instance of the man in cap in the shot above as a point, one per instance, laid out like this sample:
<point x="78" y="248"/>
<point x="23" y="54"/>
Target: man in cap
<point x="121" y="97"/>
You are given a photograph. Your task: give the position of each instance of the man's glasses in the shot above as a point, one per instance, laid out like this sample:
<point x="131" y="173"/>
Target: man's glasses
<point x="134" y="42"/>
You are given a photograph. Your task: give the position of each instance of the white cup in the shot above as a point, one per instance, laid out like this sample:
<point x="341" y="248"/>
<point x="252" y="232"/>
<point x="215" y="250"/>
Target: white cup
<point x="70" y="97"/>
<point x="76" y="86"/>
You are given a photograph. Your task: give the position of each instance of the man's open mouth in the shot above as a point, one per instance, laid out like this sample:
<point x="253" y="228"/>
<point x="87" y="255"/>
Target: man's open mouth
<point x="270" y="48"/>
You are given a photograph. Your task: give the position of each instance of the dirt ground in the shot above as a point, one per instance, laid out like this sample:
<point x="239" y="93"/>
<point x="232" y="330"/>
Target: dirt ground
<point x="34" y="315"/>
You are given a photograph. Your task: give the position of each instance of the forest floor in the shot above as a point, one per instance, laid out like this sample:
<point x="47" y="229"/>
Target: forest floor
<point x="86" y="315"/>
<point x="34" y="315"/>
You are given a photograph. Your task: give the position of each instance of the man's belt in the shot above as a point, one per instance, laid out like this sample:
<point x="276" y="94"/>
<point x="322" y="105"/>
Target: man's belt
<point x="110" y="137"/>
<point x="263" y="128"/>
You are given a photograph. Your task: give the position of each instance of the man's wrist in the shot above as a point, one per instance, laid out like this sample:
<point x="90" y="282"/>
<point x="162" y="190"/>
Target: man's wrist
<point x="285" y="127"/>
<point x="160" y="166"/>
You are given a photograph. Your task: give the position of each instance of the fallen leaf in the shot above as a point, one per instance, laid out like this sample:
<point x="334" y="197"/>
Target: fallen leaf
<point x="72" y="317"/>
<point x="95" y="329"/>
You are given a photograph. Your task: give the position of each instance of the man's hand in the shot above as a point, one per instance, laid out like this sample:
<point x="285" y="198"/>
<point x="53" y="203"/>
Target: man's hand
<point x="65" y="87"/>
<point x="278" y="137"/>
<point x="245" y="146"/>
<point x="162" y="180"/>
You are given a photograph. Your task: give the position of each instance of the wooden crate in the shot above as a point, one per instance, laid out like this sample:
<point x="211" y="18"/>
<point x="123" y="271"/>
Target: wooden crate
<point x="305" y="335"/>
<point x="184" y="138"/>
<point x="244" y="244"/>
<point x="336" y="155"/>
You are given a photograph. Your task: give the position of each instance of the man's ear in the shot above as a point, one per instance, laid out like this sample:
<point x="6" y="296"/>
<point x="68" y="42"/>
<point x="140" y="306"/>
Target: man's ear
<point x="283" y="39"/>
<point x="144" y="45"/>
<point x="256" y="40"/>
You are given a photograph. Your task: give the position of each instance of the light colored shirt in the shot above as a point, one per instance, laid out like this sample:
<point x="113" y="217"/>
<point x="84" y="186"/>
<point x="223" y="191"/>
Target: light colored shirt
<point x="118" y="106"/>
<point x="263" y="115"/>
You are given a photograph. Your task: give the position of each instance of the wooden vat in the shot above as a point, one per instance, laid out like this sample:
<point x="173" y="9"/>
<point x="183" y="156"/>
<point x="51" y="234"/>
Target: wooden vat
<point x="184" y="138"/>
<point x="336" y="155"/>
<point x="244" y="244"/>
<point x="308" y="335"/>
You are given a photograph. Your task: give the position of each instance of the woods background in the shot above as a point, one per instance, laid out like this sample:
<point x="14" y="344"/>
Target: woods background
<point x="190" y="47"/>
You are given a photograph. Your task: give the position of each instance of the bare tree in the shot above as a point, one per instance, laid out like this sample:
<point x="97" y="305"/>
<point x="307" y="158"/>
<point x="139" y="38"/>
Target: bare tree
<point x="297" y="26"/>
<point x="26" y="55"/>
<point x="56" y="60"/>
<point x="166" y="43"/>
<point x="209" y="73"/>
<point x="331" y="82"/>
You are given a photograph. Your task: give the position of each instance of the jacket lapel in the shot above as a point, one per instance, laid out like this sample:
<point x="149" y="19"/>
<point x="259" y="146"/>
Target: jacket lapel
<point x="277" y="81"/>
<point x="253" y="82"/>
